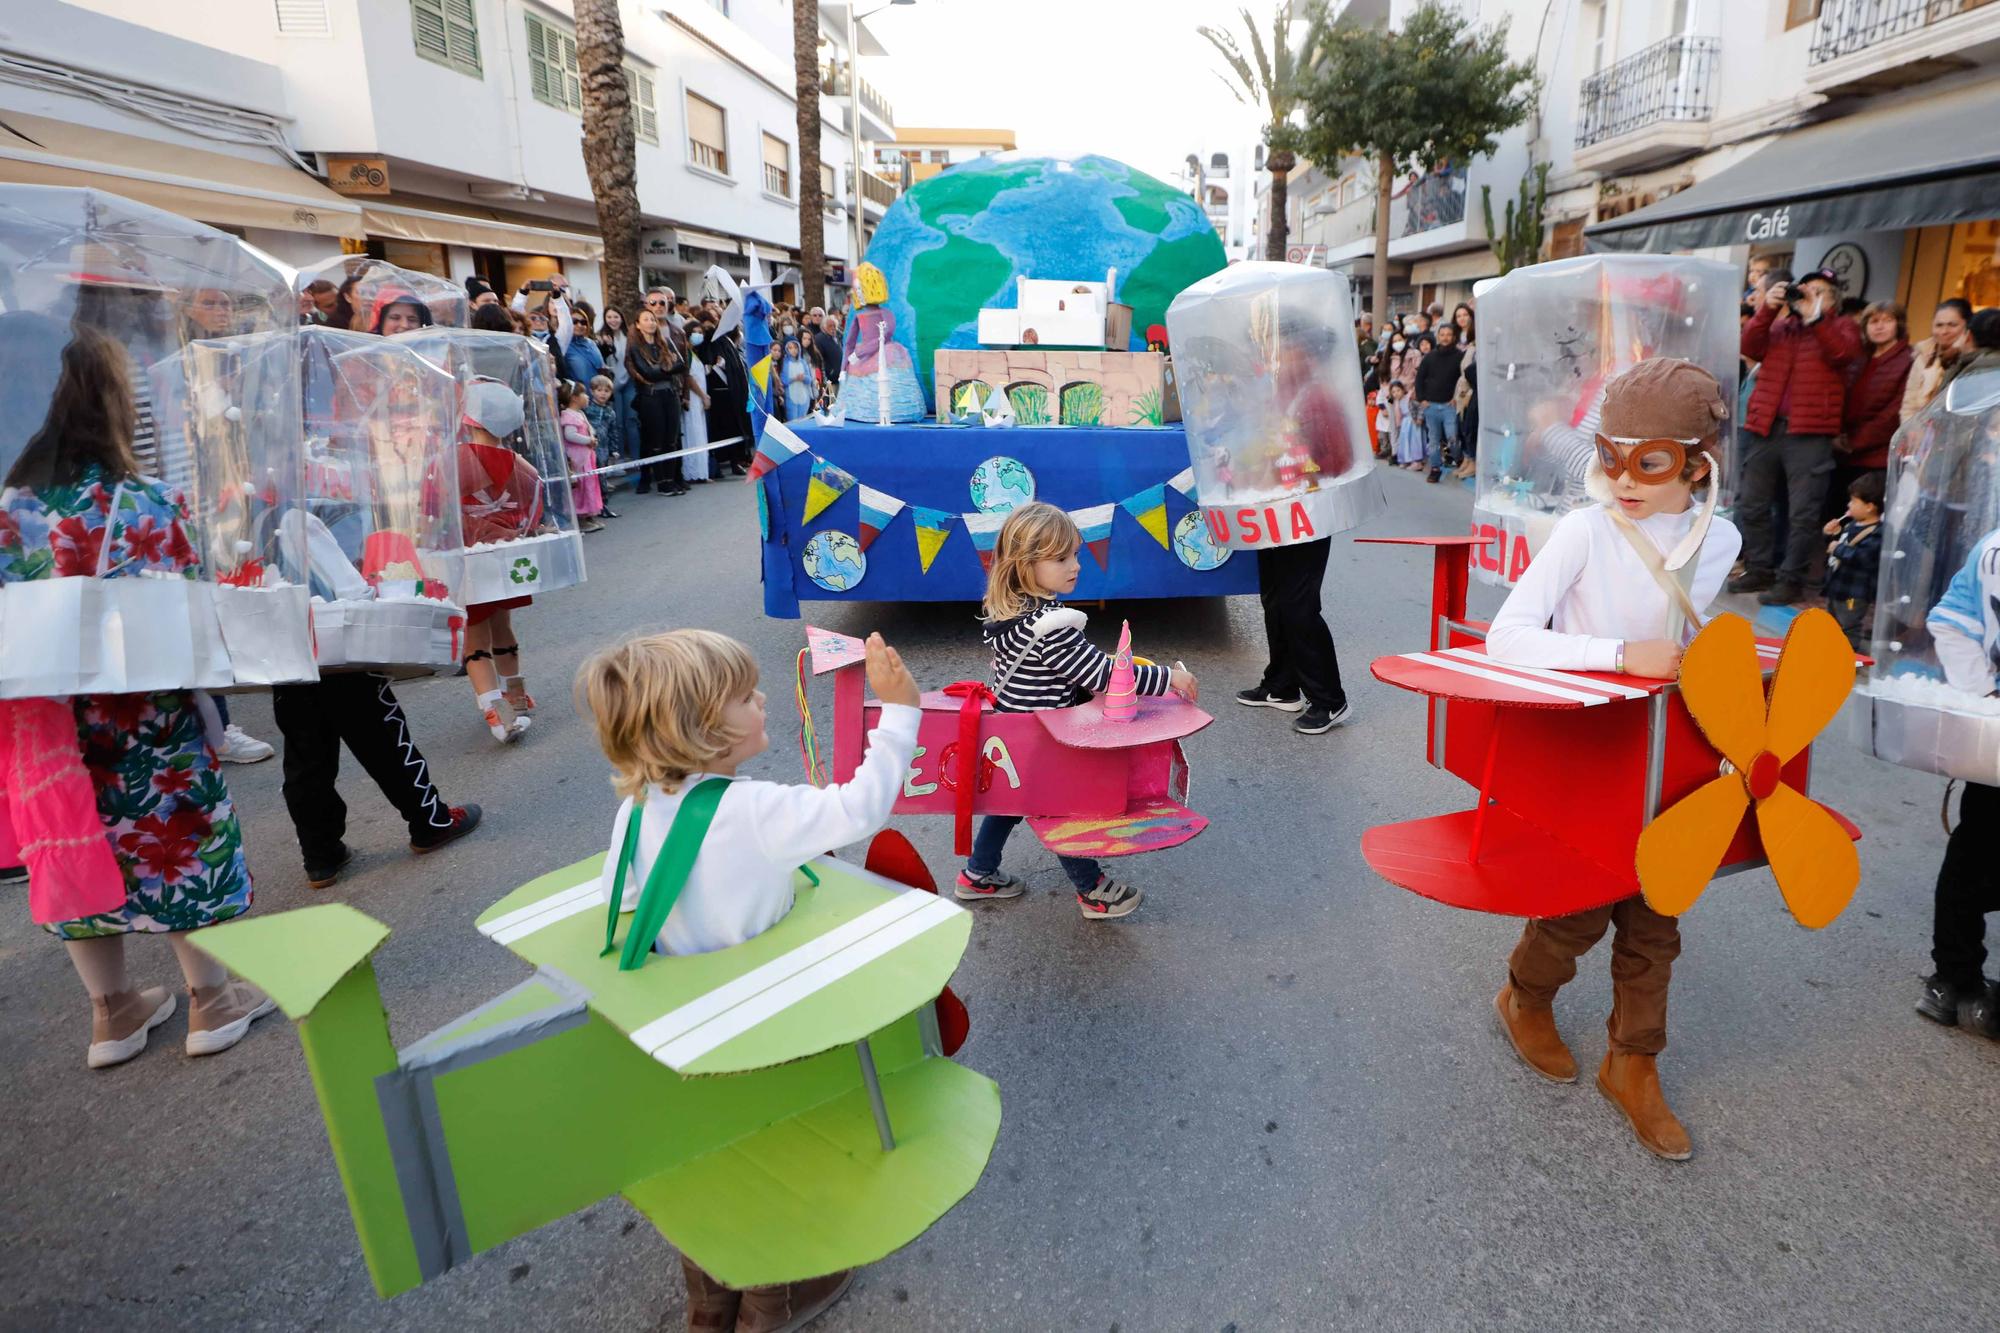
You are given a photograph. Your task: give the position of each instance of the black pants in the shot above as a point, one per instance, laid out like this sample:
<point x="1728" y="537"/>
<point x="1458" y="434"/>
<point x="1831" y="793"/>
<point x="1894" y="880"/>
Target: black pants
<point x="1968" y="887"/>
<point x="360" y="710"/>
<point x="1799" y="466"/>
<point x="1302" y="655"/>
<point x="659" y="433"/>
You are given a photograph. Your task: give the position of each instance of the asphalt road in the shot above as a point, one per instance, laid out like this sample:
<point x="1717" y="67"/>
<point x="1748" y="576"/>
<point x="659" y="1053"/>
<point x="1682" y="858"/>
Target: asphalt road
<point x="1273" y="1099"/>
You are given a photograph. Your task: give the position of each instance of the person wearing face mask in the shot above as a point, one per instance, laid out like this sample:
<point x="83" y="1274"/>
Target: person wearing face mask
<point x="696" y="402"/>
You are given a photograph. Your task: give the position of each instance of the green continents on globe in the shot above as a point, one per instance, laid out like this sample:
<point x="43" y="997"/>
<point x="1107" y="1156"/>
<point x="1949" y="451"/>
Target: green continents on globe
<point x="956" y="281"/>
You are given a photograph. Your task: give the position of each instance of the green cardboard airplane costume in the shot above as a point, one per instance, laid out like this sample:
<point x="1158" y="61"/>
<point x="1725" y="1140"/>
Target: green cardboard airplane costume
<point x="779" y="1110"/>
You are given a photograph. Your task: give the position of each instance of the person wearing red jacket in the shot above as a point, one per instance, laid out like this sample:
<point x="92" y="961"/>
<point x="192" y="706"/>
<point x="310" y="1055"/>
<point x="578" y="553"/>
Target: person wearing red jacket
<point x="1806" y="354"/>
<point x="1875" y="399"/>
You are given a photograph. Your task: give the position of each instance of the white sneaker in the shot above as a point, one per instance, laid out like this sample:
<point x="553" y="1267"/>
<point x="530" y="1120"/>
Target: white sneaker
<point x="220" y="1018"/>
<point x="138" y="1012"/>
<point x="240" y="747"/>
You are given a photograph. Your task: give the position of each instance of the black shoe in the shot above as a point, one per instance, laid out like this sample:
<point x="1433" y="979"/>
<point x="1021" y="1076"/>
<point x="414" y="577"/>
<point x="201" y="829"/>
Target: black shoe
<point x="13" y="874"/>
<point x="1259" y="697"/>
<point x="1434" y="474"/>
<point x="607" y="512"/>
<point x="1782" y="593"/>
<point x="464" y="819"/>
<point x="1946" y="1003"/>
<point x="1752" y="580"/>
<point x="325" y="876"/>
<point x="1316" y="720"/>
<point x="1981" y="1013"/>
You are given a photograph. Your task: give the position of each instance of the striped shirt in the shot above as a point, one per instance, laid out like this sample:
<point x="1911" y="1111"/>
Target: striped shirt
<point x="1059" y="670"/>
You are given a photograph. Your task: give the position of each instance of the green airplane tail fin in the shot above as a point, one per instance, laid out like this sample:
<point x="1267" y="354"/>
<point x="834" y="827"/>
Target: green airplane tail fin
<point x="315" y="964"/>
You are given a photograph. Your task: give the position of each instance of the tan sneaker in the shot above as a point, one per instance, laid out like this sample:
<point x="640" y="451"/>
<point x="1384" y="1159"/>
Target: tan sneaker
<point x="793" y="1305"/>
<point x="119" y="1024"/>
<point x="220" y="1016"/>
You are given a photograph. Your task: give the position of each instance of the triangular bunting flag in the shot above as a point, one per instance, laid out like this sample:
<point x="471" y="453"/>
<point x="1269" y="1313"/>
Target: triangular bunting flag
<point x="1183" y="481"/>
<point x="1095" y="525"/>
<point x="761" y="372"/>
<point x="933" y="526"/>
<point x="778" y="447"/>
<point x="984" y="529"/>
<point x="878" y="511"/>
<point x="1150" y="508"/>
<point x="828" y="484"/>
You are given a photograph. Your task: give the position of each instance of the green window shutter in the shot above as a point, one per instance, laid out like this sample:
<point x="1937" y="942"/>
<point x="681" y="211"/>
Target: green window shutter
<point x="571" y="73"/>
<point x="645" y="115"/>
<point x="461" y="23"/>
<point x="538" y="60"/>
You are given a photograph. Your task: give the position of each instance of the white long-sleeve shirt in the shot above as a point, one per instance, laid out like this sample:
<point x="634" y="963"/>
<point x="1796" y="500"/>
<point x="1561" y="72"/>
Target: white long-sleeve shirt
<point x="741" y="883"/>
<point x="1587" y="591"/>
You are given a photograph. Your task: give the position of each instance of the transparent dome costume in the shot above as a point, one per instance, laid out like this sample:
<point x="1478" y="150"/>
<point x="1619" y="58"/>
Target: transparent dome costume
<point x="370" y="286"/>
<point x="1270" y="383"/>
<point x="1551" y="337"/>
<point x="1928" y="702"/>
<point x="185" y="335"/>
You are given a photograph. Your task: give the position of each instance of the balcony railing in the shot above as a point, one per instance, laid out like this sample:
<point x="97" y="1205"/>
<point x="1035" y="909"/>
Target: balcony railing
<point x="1672" y="80"/>
<point x="876" y="190"/>
<point x="833" y="83"/>
<point x="1848" y="26"/>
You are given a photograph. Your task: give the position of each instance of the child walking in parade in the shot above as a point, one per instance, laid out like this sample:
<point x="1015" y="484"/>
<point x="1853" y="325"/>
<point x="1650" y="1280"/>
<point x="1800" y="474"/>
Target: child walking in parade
<point x="580" y="449"/>
<point x="1854" y="558"/>
<point x="678" y="714"/>
<point x="1042" y="660"/>
<point x="500" y="498"/>
<point x="1600" y="597"/>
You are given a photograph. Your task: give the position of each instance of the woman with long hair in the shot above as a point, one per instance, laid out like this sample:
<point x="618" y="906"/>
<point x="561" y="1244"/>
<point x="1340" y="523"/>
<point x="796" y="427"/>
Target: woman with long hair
<point x="1468" y="413"/>
<point x="614" y="335"/>
<point x="658" y="371"/>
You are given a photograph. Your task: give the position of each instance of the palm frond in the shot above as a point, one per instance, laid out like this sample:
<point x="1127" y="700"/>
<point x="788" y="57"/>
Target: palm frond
<point x="1225" y="45"/>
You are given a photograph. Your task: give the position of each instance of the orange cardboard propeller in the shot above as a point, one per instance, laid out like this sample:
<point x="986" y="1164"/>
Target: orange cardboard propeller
<point x="1811" y="855"/>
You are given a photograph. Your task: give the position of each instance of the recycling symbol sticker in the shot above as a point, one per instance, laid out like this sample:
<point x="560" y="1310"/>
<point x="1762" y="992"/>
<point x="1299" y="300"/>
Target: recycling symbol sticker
<point x="524" y="570"/>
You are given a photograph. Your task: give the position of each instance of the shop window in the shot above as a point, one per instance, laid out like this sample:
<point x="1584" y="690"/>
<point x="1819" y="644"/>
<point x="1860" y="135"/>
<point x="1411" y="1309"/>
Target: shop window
<point x="708" y="138"/>
<point x="552" y="71"/>
<point x="1972" y="265"/>
<point x="645" y="111"/>
<point x="447" y="31"/>
<point x="777" y="166"/>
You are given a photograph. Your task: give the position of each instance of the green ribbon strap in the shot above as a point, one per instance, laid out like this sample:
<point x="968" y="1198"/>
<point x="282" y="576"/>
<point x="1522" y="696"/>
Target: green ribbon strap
<point x="669" y="874"/>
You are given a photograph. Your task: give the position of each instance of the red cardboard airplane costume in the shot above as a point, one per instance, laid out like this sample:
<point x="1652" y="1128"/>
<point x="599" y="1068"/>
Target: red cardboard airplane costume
<point x="1610" y="799"/>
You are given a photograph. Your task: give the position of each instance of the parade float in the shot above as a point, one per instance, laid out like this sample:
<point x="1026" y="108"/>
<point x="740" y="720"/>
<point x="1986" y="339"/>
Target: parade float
<point x="1551" y="336"/>
<point x="106" y="301"/>
<point x="1929" y="700"/>
<point x="1015" y="283"/>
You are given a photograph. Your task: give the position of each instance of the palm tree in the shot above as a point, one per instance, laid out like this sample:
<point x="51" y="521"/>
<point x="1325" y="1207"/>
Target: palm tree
<point x="812" y="204"/>
<point x="608" y="153"/>
<point x="1264" y="80"/>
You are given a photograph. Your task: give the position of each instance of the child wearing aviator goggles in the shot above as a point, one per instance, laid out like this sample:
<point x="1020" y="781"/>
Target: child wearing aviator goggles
<point x="1621" y="585"/>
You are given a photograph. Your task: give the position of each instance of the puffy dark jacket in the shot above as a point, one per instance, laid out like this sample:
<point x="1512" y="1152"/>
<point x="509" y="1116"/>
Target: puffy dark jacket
<point x="1813" y="360"/>
<point x="1875" y="407"/>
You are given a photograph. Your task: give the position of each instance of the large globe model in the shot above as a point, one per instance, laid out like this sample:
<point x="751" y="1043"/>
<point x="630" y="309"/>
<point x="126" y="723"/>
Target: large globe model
<point x="954" y="244"/>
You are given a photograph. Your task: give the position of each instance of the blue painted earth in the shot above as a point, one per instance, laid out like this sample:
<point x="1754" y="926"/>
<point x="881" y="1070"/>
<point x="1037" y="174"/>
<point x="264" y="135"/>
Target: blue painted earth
<point x="1194" y="545"/>
<point x="834" y="561"/>
<point x="1001" y="485"/>
<point x="955" y="243"/>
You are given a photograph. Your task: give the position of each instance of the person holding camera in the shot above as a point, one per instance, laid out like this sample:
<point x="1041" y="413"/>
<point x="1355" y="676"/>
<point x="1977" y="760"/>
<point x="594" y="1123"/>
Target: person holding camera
<point x="1806" y="355"/>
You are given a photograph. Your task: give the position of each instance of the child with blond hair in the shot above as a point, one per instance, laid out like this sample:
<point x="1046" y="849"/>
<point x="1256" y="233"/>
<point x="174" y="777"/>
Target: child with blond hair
<point x="1042" y="660"/>
<point x="677" y="714"/>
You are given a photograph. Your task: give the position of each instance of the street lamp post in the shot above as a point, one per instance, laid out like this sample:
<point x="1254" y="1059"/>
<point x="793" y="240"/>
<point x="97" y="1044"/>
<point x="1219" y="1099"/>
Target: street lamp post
<point x="854" y="136"/>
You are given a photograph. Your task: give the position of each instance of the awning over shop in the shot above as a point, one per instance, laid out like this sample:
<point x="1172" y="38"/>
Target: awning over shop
<point x="1934" y="159"/>
<point x="215" y="188"/>
<point x="442" y="222"/>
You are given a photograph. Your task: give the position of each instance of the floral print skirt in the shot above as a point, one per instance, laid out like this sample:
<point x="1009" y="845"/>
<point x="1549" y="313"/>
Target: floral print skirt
<point x="167" y="810"/>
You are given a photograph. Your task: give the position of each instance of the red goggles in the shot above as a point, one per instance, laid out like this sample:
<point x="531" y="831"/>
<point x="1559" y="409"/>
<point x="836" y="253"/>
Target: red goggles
<point x="1651" y="462"/>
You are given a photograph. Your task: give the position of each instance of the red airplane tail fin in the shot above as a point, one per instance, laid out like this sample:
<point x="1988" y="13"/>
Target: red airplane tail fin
<point x="892" y="856"/>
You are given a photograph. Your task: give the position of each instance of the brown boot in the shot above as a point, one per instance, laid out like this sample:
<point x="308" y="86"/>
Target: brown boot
<point x="220" y="1016"/>
<point x="1532" y="1029"/>
<point x="791" y="1306"/>
<point x="119" y="1024"/>
<point x="711" y="1306"/>
<point x="1634" y="1084"/>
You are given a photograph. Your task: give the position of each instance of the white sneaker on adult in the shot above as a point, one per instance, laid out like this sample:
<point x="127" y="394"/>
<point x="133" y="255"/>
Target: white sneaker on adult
<point x="219" y="1018"/>
<point x="240" y="747"/>
<point x="120" y="1024"/>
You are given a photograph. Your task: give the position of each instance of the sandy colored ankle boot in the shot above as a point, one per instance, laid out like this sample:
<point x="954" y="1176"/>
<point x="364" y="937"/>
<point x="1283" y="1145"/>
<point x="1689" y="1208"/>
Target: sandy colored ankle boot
<point x="220" y="1016"/>
<point x="1633" y="1083"/>
<point x="119" y="1024"/>
<point x="793" y="1305"/>
<point x="1532" y="1029"/>
<point x="712" y="1307"/>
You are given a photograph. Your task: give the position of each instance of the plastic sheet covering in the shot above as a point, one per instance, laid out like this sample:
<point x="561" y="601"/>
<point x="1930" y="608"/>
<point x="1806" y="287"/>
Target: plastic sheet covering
<point x="1929" y="701"/>
<point x="1551" y="337"/>
<point x="124" y="327"/>
<point x="361" y="293"/>
<point x="382" y="501"/>
<point x="1270" y="384"/>
<point x="519" y="520"/>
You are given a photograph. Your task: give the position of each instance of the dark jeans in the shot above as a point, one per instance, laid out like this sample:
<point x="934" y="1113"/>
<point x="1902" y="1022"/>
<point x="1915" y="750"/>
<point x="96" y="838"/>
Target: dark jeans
<point x="1799" y="466"/>
<point x="360" y="710"/>
<point x="1302" y="653"/>
<point x="659" y="433"/>
<point x="1968" y="887"/>
<point x="991" y="840"/>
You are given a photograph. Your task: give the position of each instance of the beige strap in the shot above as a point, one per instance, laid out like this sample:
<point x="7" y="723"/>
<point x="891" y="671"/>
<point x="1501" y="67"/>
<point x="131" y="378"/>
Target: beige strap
<point x="1656" y="565"/>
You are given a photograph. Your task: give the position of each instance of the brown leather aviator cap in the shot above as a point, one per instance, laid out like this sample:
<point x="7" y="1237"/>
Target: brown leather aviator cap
<point x="1663" y="398"/>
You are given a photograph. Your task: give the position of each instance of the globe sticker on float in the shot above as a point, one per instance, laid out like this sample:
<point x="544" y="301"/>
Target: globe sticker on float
<point x="1195" y="544"/>
<point x="1001" y="485"/>
<point x="834" y="561"/>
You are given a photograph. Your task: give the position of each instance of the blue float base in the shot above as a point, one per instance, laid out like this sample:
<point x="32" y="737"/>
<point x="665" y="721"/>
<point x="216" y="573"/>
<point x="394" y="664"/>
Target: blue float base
<point x="931" y="465"/>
